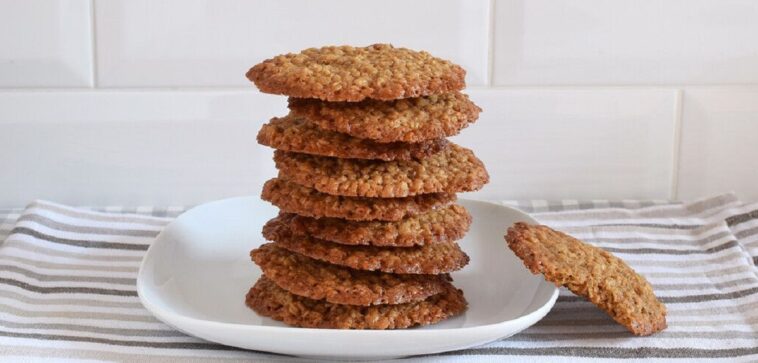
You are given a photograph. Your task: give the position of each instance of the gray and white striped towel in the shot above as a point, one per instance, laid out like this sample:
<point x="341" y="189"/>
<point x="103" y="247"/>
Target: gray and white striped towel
<point x="67" y="286"/>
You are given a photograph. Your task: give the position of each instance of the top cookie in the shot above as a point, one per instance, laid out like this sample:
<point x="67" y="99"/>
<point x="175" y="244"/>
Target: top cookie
<point x="588" y="271"/>
<point x="345" y="73"/>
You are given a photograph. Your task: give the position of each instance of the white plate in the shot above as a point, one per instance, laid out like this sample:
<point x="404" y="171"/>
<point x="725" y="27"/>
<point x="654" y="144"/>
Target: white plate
<point x="197" y="272"/>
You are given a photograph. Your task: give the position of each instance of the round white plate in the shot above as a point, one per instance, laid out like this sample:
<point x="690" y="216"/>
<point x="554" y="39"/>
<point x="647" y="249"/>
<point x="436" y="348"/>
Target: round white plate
<point x="197" y="272"/>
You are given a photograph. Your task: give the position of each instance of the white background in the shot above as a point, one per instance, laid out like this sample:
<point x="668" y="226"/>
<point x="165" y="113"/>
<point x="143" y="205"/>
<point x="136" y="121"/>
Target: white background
<point x="134" y="102"/>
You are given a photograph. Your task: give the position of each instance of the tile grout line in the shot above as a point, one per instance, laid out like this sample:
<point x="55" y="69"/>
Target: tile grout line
<point x="677" y="149"/>
<point x="93" y="43"/>
<point x="491" y="45"/>
<point x="618" y="87"/>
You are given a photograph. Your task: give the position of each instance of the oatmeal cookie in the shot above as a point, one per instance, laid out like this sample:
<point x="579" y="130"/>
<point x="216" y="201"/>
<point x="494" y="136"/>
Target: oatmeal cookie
<point x="268" y="299"/>
<point x="438" y="226"/>
<point x="294" y="198"/>
<point x="345" y="73"/>
<point x="291" y="133"/>
<point x="318" y="280"/>
<point x="452" y="170"/>
<point x="408" y="120"/>
<point x="432" y="259"/>
<point x="590" y="272"/>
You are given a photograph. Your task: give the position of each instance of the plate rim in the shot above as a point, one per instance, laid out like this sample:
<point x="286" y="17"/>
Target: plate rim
<point x="168" y="316"/>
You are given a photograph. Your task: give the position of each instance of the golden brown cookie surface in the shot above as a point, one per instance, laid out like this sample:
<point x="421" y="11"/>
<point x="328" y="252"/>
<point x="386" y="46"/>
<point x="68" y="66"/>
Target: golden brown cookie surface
<point x="588" y="271"/>
<point x="433" y="259"/>
<point x="267" y="299"/>
<point x="438" y="226"/>
<point x="452" y="170"/>
<point x="317" y="280"/>
<point x="291" y="133"/>
<point x="345" y="73"/>
<point x="294" y="198"/>
<point x="407" y="120"/>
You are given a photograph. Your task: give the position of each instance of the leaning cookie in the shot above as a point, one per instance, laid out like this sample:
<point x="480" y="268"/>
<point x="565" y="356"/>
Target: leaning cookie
<point x="292" y="133"/>
<point x="317" y="280"/>
<point x="452" y="170"/>
<point x="588" y="271"/>
<point x="433" y="259"/>
<point x="294" y="198"/>
<point x="407" y="120"/>
<point x="267" y="299"/>
<point x="345" y="73"/>
<point x="438" y="226"/>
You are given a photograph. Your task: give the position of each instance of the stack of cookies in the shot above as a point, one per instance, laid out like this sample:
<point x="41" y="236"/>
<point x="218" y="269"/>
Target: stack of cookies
<point x="366" y="236"/>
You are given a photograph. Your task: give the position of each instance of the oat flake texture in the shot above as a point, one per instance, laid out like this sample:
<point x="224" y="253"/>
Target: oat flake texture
<point x="294" y="198"/>
<point x="408" y="120"/>
<point x="291" y="133"/>
<point x="345" y="73"/>
<point x="438" y="258"/>
<point x="268" y="299"/>
<point x="438" y="226"/>
<point x="591" y="272"/>
<point x="318" y="280"/>
<point x="453" y="170"/>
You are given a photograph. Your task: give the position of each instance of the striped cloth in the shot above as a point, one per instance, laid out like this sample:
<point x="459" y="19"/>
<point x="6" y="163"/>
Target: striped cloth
<point x="67" y="286"/>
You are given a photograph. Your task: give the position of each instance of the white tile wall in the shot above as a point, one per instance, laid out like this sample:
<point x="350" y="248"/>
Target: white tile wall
<point x="582" y="144"/>
<point x="591" y="42"/>
<point x="186" y="147"/>
<point x="133" y="148"/>
<point x="134" y="102"/>
<point x="45" y="43"/>
<point x="719" y="142"/>
<point x="138" y="106"/>
<point x="123" y="163"/>
<point x="213" y="43"/>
